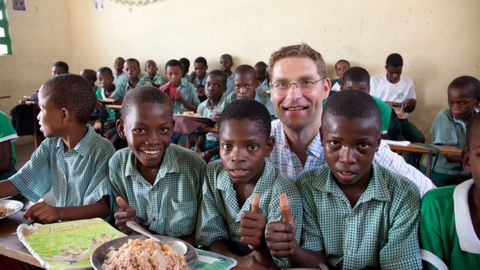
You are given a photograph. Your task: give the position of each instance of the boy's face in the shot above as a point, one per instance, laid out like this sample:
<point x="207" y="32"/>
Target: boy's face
<point x="51" y="118"/>
<point x="58" y="71"/>
<point x="151" y="68"/>
<point x="215" y="87"/>
<point x="349" y="147"/>
<point x="147" y="127"/>
<point x="471" y="157"/>
<point x="295" y="108"/>
<point x="260" y="72"/>
<point x="245" y="85"/>
<point x="226" y="63"/>
<point x="461" y="102"/>
<point x="393" y="73"/>
<point x="132" y="70"/>
<point x="200" y="69"/>
<point x="174" y="75"/>
<point x="243" y="148"/>
<point x="119" y="64"/>
<point x="340" y="69"/>
<point x="352" y="85"/>
<point x="105" y="80"/>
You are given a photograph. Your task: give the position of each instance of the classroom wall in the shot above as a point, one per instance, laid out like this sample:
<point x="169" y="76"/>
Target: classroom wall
<point x="438" y="39"/>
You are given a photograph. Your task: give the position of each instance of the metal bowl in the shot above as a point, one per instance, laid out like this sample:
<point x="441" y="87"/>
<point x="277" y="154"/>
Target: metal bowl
<point x="15" y="206"/>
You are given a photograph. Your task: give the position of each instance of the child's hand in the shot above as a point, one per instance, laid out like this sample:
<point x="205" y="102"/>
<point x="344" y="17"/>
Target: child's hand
<point x="42" y="212"/>
<point x="124" y="214"/>
<point x="252" y="225"/>
<point x="280" y="236"/>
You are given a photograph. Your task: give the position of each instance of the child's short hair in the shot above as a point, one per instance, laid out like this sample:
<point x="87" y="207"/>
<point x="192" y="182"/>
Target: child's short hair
<point x="357" y="74"/>
<point x="219" y="73"/>
<point x="472" y="124"/>
<point x="106" y="70"/>
<point x="201" y="60"/>
<point x="226" y="55"/>
<point x="145" y="94"/>
<point x="89" y="74"/>
<point x="261" y="64"/>
<point x="173" y="63"/>
<point x="245" y="69"/>
<point x="72" y="92"/>
<point x="352" y="104"/>
<point x="394" y="60"/>
<point x="185" y="63"/>
<point x="342" y="61"/>
<point x="299" y="50"/>
<point x="62" y="65"/>
<point x="248" y="109"/>
<point x="133" y="60"/>
<point x="467" y="83"/>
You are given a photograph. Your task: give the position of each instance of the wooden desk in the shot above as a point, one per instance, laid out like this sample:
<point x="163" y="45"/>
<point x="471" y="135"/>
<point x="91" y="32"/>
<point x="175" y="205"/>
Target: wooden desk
<point x="10" y="246"/>
<point x="415" y="148"/>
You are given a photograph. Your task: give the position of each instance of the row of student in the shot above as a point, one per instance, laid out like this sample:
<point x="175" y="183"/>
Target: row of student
<point x="299" y="109"/>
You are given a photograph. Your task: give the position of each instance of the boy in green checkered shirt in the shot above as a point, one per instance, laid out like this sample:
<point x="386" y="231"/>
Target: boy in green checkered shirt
<point x="356" y="214"/>
<point x="241" y="192"/>
<point x="72" y="161"/>
<point x="155" y="183"/>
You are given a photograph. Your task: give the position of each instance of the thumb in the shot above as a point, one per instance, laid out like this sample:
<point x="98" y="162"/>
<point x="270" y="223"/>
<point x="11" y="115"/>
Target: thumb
<point x="255" y="202"/>
<point x="122" y="203"/>
<point x="285" y="209"/>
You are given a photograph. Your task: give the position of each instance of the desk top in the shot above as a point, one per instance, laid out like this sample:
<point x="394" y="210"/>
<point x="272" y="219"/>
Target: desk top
<point x="10" y="246"/>
<point x="415" y="148"/>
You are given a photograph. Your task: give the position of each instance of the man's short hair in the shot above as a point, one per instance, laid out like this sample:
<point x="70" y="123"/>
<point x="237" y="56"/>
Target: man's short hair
<point x="394" y="60"/>
<point x="356" y="74"/>
<point x="248" y="109"/>
<point x="72" y="92"/>
<point x="299" y="50"/>
<point x="61" y="65"/>
<point x="141" y="95"/>
<point x="467" y="83"/>
<point x="351" y="105"/>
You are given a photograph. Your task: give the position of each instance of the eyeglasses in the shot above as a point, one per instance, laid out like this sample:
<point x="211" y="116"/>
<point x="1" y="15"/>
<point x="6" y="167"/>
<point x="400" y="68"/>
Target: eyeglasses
<point x="304" y="85"/>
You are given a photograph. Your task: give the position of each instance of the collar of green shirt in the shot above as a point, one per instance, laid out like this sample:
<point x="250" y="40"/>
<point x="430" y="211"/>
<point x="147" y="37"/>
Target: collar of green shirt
<point x="377" y="189"/>
<point x="84" y="146"/>
<point x="263" y="183"/>
<point x="169" y="164"/>
<point x="467" y="237"/>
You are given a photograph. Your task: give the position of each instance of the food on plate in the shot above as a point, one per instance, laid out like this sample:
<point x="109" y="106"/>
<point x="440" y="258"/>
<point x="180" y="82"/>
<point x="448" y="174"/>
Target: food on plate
<point x="189" y="113"/>
<point x="5" y="211"/>
<point x="144" y="254"/>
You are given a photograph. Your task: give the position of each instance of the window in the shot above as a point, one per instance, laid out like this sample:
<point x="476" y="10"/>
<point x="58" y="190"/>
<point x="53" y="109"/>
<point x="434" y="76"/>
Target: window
<point x="5" y="42"/>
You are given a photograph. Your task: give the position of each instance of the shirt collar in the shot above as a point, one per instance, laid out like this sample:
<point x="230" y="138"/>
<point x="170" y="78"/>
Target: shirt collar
<point x="83" y="147"/>
<point x="169" y="164"/>
<point x="467" y="237"/>
<point x="262" y="184"/>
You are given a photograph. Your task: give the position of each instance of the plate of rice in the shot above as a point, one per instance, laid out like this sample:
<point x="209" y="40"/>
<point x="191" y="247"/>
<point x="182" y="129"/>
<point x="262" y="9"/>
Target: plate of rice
<point x="9" y="207"/>
<point x="141" y="252"/>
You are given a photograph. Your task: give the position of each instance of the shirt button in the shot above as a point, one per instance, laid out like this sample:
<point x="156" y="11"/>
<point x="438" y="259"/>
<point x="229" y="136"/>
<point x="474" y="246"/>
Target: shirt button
<point x="154" y="219"/>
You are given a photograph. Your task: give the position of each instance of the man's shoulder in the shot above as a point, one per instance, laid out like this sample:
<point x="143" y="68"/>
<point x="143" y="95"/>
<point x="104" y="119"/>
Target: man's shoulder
<point x="397" y="184"/>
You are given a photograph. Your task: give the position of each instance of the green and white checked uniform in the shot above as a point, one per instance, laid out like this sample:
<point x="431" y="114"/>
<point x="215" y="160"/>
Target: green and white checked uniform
<point x="206" y="110"/>
<point x="169" y="206"/>
<point x="379" y="231"/>
<point x="122" y="85"/>
<point x="220" y="214"/>
<point x="77" y="177"/>
<point x="158" y="79"/>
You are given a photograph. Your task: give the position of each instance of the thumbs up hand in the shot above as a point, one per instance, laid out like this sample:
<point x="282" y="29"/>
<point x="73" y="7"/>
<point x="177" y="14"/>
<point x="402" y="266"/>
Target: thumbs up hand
<point x="124" y="214"/>
<point x="280" y="235"/>
<point x="252" y="225"/>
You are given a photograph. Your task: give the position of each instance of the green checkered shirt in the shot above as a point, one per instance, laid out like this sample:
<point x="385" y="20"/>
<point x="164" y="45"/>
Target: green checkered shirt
<point x="169" y="206"/>
<point x="122" y="85"/>
<point x="379" y="231"/>
<point x="220" y="214"/>
<point x="77" y="177"/>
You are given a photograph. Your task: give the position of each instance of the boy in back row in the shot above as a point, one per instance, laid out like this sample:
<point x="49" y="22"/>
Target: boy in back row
<point x="72" y="161"/>
<point x="357" y="214"/>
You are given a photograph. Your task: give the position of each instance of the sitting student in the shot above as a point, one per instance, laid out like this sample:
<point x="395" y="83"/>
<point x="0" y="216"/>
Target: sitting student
<point x="58" y="68"/>
<point x="357" y="78"/>
<point x="132" y="79"/>
<point x="72" y="161"/>
<point x="207" y="145"/>
<point x="181" y="92"/>
<point x="231" y="220"/>
<point x="450" y="216"/>
<point x="91" y="76"/>
<point x="151" y="68"/>
<point x="357" y="214"/>
<point x="245" y="84"/>
<point x="200" y="78"/>
<point x="449" y="126"/>
<point x="226" y="63"/>
<point x="185" y="67"/>
<point x="341" y="66"/>
<point x="118" y="65"/>
<point x="7" y="151"/>
<point x="108" y="117"/>
<point x="400" y="92"/>
<point x="263" y="89"/>
<point x="156" y="183"/>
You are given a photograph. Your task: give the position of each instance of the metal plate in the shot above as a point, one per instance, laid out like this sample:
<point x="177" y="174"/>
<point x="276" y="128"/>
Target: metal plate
<point x="15" y="206"/>
<point x="98" y="256"/>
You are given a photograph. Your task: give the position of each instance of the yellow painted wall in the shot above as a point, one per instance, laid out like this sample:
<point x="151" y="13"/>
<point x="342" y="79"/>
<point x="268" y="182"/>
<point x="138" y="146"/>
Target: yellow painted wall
<point x="438" y="39"/>
<point x="40" y="36"/>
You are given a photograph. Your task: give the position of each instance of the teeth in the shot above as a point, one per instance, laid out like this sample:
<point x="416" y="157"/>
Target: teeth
<point x="151" y="152"/>
<point x="298" y="108"/>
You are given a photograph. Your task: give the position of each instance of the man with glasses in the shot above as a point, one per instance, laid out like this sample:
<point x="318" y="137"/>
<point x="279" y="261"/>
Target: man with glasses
<point x="299" y="84"/>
